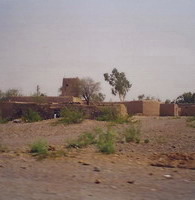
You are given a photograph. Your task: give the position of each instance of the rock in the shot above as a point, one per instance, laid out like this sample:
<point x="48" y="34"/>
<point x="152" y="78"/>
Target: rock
<point x="96" y="169"/>
<point x="83" y="162"/>
<point x="168" y="176"/>
<point x="131" y="182"/>
<point x="97" y="181"/>
<point x="17" y="121"/>
<point x="51" y="148"/>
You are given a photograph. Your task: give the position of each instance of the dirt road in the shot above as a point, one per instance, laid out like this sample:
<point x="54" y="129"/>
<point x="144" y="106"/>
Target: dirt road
<point x="87" y="174"/>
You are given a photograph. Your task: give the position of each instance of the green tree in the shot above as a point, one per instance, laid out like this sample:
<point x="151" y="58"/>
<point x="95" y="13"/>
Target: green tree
<point x="118" y="81"/>
<point x="141" y="97"/>
<point x="167" y="101"/>
<point x="89" y="89"/>
<point x="187" y="97"/>
<point x="99" y="97"/>
<point x="12" y="93"/>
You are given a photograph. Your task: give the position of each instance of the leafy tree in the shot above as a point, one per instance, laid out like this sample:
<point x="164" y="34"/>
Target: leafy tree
<point x="1" y="94"/>
<point x="167" y="101"/>
<point x="187" y="97"/>
<point x="144" y="97"/>
<point x="118" y="81"/>
<point x="89" y="89"/>
<point x="9" y="93"/>
<point x="99" y="97"/>
<point x="141" y="97"/>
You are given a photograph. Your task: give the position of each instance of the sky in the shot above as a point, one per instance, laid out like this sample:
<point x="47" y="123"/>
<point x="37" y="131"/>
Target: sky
<point x="44" y="41"/>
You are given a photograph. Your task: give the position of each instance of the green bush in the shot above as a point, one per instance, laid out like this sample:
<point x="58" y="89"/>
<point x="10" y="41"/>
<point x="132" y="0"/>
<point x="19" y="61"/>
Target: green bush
<point x="39" y="147"/>
<point x="107" y="114"/>
<point x="191" y="121"/>
<point x="106" y="142"/>
<point x="3" y="120"/>
<point x="31" y="116"/>
<point x="132" y="134"/>
<point x="84" y="140"/>
<point x="71" y="116"/>
<point x="146" y="141"/>
<point x="3" y="148"/>
<point x="111" y="114"/>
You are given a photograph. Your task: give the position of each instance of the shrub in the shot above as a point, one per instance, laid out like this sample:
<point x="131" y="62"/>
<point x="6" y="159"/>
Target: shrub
<point x="3" y="148"/>
<point x="107" y="114"/>
<point x="83" y="141"/>
<point x="146" y="141"/>
<point x="190" y="119"/>
<point x="106" y="142"/>
<point x="39" y="147"/>
<point x="71" y="116"/>
<point x="57" y="154"/>
<point x="31" y="116"/>
<point x="111" y="114"/>
<point x="3" y="120"/>
<point x="132" y="134"/>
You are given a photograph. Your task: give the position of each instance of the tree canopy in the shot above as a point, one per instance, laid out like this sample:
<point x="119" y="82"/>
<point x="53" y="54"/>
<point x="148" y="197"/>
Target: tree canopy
<point x="10" y="93"/>
<point x="187" y="97"/>
<point x="90" y="90"/>
<point x="118" y="81"/>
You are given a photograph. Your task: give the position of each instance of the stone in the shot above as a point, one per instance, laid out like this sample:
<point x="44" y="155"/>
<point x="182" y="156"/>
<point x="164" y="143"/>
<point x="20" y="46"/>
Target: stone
<point x="131" y="182"/>
<point x="97" y="181"/>
<point x="96" y="169"/>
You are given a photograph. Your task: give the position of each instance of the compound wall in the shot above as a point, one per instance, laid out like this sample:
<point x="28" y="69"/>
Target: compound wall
<point x="187" y="109"/>
<point x="151" y="108"/>
<point x="134" y="107"/>
<point x="169" y="110"/>
<point x="45" y="99"/>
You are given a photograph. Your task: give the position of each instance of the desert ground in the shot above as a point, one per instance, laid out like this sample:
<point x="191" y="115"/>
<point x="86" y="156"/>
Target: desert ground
<point x="163" y="168"/>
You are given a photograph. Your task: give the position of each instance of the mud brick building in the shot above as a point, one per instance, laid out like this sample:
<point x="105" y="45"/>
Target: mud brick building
<point x="145" y="107"/>
<point x="70" y="87"/>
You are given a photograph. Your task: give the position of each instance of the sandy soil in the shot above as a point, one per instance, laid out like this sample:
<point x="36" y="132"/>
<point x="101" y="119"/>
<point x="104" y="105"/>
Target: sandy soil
<point x="161" y="169"/>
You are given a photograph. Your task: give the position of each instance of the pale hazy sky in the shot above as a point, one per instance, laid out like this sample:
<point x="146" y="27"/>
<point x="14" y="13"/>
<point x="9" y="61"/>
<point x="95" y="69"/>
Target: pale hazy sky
<point x="152" y="41"/>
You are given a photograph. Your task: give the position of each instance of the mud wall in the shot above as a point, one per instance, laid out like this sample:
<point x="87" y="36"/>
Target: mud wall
<point x="6" y="109"/>
<point x="187" y="109"/>
<point x="45" y="99"/>
<point x="134" y="107"/>
<point x="17" y="110"/>
<point x="169" y="110"/>
<point x="151" y="108"/>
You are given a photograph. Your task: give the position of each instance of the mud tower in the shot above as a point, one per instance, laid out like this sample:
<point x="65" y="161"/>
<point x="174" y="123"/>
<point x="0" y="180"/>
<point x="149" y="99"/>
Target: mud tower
<point x="70" y="87"/>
